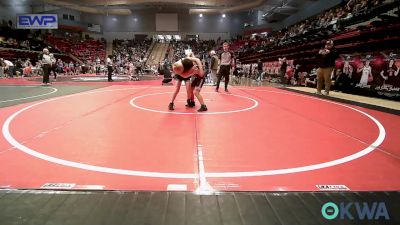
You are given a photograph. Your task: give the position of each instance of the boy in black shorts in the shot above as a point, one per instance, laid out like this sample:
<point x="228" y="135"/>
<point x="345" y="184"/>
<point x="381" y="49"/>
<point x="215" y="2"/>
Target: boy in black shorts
<point x="171" y="105"/>
<point x="196" y="86"/>
<point x="184" y="69"/>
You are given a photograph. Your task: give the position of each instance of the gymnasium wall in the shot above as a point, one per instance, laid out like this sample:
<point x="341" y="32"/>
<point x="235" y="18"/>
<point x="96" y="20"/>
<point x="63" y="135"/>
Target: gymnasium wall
<point x="10" y="12"/>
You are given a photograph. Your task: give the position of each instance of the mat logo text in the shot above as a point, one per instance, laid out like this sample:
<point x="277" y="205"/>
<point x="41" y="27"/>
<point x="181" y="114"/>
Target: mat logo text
<point x="364" y="210"/>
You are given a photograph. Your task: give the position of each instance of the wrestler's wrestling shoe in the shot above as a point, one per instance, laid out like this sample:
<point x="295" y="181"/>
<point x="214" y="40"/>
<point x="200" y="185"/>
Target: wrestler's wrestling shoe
<point x="202" y="108"/>
<point x="171" y="106"/>
<point x="190" y="103"/>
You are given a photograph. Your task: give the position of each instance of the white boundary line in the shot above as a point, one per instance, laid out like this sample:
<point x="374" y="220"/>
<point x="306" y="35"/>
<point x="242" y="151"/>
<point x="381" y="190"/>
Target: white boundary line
<point x="35" y="96"/>
<point x="132" y="102"/>
<point x="36" y="154"/>
<point x="15" y="143"/>
<point x="204" y="187"/>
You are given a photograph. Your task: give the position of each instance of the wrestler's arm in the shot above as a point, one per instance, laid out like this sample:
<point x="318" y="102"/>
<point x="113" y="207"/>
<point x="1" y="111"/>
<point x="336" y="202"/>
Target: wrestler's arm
<point x="199" y="65"/>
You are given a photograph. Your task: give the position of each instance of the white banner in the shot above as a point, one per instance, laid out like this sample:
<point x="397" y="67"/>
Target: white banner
<point x="94" y="28"/>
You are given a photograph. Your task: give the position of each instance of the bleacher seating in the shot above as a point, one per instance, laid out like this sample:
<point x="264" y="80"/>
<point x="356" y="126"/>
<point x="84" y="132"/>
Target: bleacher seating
<point x="306" y="45"/>
<point x="84" y="49"/>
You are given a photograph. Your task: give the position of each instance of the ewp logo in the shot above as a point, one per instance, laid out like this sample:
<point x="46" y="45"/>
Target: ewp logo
<point x="37" y="21"/>
<point x="376" y="211"/>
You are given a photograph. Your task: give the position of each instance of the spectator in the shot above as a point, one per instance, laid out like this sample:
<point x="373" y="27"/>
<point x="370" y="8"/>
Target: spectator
<point x="296" y="75"/>
<point x="342" y="81"/>
<point x="311" y="79"/>
<point x="71" y="68"/>
<point x="283" y="68"/>
<point x="19" y="67"/>
<point x="214" y="67"/>
<point x="2" y="67"/>
<point x="10" y="68"/>
<point x="27" y="68"/>
<point x="260" y="70"/>
<point x="54" y="66"/>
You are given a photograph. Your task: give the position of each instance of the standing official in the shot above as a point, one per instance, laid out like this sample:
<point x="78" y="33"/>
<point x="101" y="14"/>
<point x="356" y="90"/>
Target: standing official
<point x="46" y="65"/>
<point x="227" y="60"/>
<point x="109" y="68"/>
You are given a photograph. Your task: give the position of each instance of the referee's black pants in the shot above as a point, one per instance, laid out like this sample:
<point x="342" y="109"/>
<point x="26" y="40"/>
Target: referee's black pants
<point x="110" y="70"/>
<point x="224" y="71"/>
<point x="46" y="73"/>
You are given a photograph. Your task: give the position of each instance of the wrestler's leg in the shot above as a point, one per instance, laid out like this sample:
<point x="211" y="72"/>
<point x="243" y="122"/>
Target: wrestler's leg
<point x="178" y="87"/>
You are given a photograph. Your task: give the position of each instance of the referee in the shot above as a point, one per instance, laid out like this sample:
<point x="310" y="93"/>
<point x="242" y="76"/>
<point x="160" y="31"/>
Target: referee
<point x="109" y="68"/>
<point x="46" y="65"/>
<point x="225" y="66"/>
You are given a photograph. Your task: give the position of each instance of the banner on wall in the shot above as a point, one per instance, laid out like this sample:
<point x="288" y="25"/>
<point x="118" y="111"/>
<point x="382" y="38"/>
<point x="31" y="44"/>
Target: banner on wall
<point x="37" y="21"/>
<point x="275" y="66"/>
<point x="376" y="76"/>
<point x="94" y="28"/>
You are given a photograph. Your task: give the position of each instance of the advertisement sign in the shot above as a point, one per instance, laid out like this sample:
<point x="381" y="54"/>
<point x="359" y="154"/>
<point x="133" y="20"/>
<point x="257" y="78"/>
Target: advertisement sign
<point x="37" y="21"/>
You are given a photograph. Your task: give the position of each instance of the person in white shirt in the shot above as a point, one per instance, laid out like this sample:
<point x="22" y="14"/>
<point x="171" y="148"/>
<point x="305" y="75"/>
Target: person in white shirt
<point x="46" y="65"/>
<point x="366" y="73"/>
<point x="10" y="68"/>
<point x="97" y="66"/>
<point x="2" y="67"/>
<point x="227" y="62"/>
<point x="109" y="67"/>
<point x="131" y="69"/>
<point x="71" y="68"/>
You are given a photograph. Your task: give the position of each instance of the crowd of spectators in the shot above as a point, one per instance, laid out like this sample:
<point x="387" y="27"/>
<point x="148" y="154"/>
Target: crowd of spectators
<point x="28" y="68"/>
<point x="128" y="54"/>
<point x="353" y="24"/>
<point x="200" y="48"/>
<point x="84" y="49"/>
<point x="21" y="39"/>
<point x="327" y="22"/>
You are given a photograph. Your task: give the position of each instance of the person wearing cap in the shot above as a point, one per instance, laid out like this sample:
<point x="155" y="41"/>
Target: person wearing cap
<point x="327" y="57"/>
<point x="227" y="61"/>
<point x="214" y="67"/>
